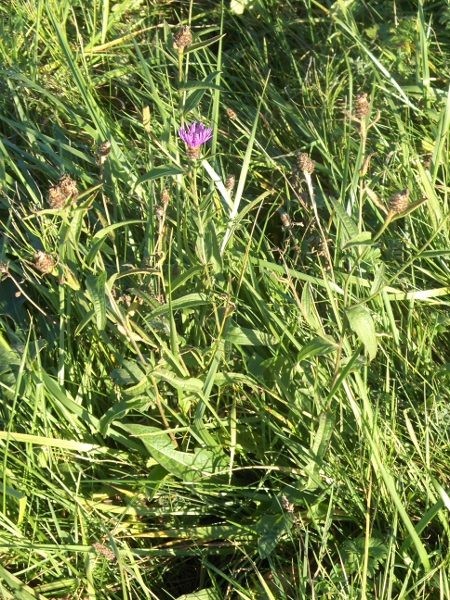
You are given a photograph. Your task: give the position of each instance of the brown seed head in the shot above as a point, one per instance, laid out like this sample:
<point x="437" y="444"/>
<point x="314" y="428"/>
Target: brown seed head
<point x="183" y="38"/>
<point x="68" y="187"/>
<point x="165" y="197"/>
<point x="3" y="267"/>
<point x="159" y="211"/>
<point x="362" y="106"/>
<point x="230" y="182"/>
<point x="60" y="193"/>
<point x="56" y="198"/>
<point x="107" y="552"/>
<point x="231" y="114"/>
<point x="44" y="262"/>
<point x="399" y="202"/>
<point x="305" y="163"/>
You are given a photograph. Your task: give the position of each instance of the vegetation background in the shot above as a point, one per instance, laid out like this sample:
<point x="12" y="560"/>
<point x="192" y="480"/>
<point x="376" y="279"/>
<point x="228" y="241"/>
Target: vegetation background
<point x="210" y="392"/>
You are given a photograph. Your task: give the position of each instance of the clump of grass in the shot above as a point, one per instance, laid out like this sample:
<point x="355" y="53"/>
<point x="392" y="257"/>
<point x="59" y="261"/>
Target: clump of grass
<point x="223" y="371"/>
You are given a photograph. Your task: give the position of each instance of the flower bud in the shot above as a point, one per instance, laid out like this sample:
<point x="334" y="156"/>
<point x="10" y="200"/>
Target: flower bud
<point x="60" y="193"/>
<point x="230" y="183"/>
<point x="44" y="262"/>
<point x="362" y="106"/>
<point x="399" y="202"/>
<point x="305" y="163"/>
<point x="165" y="197"/>
<point x="183" y="38"/>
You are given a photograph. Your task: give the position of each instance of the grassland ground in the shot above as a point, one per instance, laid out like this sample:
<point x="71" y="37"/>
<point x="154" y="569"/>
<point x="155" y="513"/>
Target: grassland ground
<point x="224" y="300"/>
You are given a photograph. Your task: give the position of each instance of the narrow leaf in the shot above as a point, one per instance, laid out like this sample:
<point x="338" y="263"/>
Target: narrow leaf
<point x="316" y="347"/>
<point x="158" y="172"/>
<point x="319" y="447"/>
<point x="95" y="285"/>
<point x="350" y="227"/>
<point x="204" y="44"/>
<point x="241" y="336"/>
<point x="106" y="230"/>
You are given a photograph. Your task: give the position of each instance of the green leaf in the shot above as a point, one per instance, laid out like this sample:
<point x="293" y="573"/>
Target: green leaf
<point x="190" y="384"/>
<point x="212" y="248"/>
<point x="204" y="44"/>
<point x="117" y="411"/>
<point x="158" y="172"/>
<point x="309" y="308"/>
<point x="316" y="347"/>
<point x="21" y="590"/>
<point x="184" y="277"/>
<point x="271" y="528"/>
<point x="87" y="99"/>
<point x="129" y="373"/>
<point x="40" y="440"/>
<point x="68" y="410"/>
<point x="188" y="466"/>
<point x="107" y="230"/>
<point x="206" y="594"/>
<point x="379" y="279"/>
<point x="199" y="87"/>
<point x="241" y="336"/>
<point x="323" y="435"/>
<point x="138" y="390"/>
<point x="188" y="301"/>
<point x="362" y="239"/>
<point x="320" y="445"/>
<point x="95" y="285"/>
<point x="8" y="359"/>
<point x="21" y="500"/>
<point x="11" y="303"/>
<point x="193" y="100"/>
<point x="361" y="323"/>
<point x="353" y="552"/>
<point x="206" y="84"/>
<point x="350" y="227"/>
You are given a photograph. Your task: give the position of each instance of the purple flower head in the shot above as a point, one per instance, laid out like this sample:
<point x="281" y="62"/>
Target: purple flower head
<point x="195" y="135"/>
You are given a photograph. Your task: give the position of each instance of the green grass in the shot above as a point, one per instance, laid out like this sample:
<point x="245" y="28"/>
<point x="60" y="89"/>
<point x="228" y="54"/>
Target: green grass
<point x="211" y="395"/>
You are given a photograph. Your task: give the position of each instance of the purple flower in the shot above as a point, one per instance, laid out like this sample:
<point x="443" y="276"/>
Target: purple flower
<point x="195" y="135"/>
